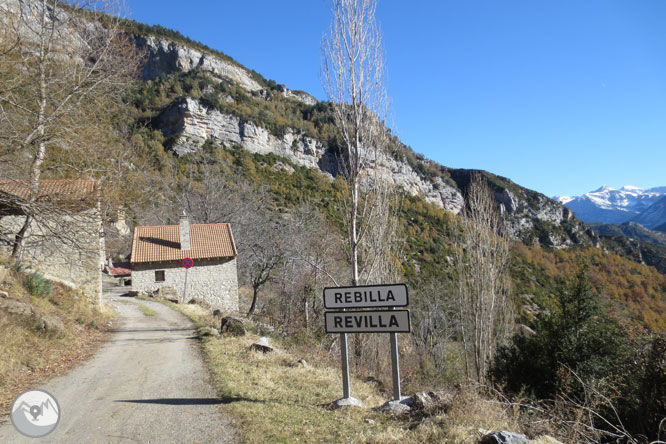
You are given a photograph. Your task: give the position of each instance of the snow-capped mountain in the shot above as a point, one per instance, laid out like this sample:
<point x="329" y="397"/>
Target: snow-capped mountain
<point x="611" y="206"/>
<point x="654" y="216"/>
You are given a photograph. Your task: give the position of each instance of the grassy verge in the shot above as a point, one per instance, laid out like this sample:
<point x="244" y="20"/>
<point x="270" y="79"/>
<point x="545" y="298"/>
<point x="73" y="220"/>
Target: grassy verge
<point x="275" y="399"/>
<point x="31" y="353"/>
<point x="147" y="311"/>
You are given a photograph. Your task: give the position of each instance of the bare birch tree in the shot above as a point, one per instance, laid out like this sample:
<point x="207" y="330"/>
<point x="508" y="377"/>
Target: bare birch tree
<point x="483" y="287"/>
<point x="64" y="66"/>
<point x="353" y="77"/>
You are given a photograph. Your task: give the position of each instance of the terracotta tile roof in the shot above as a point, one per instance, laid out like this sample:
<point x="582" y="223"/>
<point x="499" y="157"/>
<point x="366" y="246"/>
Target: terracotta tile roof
<point x="69" y="189"/>
<point x="162" y="243"/>
<point x="120" y="269"/>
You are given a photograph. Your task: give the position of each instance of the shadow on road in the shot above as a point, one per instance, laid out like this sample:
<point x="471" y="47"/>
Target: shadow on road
<point x="189" y="401"/>
<point x="148" y="330"/>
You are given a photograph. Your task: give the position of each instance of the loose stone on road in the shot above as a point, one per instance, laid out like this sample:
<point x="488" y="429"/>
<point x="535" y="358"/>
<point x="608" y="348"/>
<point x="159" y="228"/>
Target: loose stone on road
<point x="146" y="385"/>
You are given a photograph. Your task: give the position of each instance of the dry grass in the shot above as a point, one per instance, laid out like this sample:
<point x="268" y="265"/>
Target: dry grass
<point x="275" y="399"/>
<point x="279" y="401"/>
<point x="29" y="356"/>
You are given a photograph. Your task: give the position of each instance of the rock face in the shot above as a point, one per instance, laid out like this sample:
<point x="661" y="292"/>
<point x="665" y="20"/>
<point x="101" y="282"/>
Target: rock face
<point x="301" y="96"/>
<point x="165" y="56"/>
<point x="532" y="217"/>
<point x="194" y="124"/>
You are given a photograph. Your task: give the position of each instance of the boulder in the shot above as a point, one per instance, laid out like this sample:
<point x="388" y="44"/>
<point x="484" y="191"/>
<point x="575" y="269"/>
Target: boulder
<point x="53" y="326"/>
<point x="4" y="294"/>
<point x="262" y="345"/>
<point x="233" y="326"/>
<point x="203" y="332"/>
<point x="346" y="402"/>
<point x="49" y="325"/>
<point x="168" y="294"/>
<point x="504" y="438"/>
<point x="16" y="308"/>
<point x="398" y="407"/>
<point x="433" y="401"/>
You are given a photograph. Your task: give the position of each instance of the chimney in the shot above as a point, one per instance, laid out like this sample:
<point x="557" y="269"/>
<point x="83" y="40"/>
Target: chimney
<point x="121" y="224"/>
<point x="184" y="232"/>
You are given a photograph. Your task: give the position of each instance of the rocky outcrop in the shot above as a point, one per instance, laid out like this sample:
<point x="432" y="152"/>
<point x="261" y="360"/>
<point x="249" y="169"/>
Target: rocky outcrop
<point x="301" y="96"/>
<point x="46" y="325"/>
<point x="193" y="124"/>
<point x="165" y="56"/>
<point x="532" y="217"/>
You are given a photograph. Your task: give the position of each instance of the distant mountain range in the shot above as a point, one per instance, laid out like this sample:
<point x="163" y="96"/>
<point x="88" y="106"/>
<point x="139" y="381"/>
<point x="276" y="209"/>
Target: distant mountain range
<point x="628" y="204"/>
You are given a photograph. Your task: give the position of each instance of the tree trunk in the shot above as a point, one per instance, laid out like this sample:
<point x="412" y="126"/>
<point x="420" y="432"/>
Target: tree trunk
<point x="255" y="297"/>
<point x="36" y="168"/>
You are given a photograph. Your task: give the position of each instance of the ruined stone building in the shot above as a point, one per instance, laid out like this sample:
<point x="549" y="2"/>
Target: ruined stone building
<point x="64" y="242"/>
<point x="158" y="252"/>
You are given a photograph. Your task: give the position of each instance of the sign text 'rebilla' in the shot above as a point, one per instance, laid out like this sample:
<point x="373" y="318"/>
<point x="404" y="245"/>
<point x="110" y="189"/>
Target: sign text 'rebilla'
<point x="394" y="295"/>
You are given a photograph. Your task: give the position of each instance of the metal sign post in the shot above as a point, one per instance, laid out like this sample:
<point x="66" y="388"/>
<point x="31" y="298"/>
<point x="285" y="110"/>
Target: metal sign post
<point x="395" y="366"/>
<point x="389" y="320"/>
<point x="346" y="389"/>
<point x="185" y="288"/>
<point x="187" y="264"/>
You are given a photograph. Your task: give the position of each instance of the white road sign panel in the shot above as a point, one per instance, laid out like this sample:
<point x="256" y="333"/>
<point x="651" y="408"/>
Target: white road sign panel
<point x="367" y="296"/>
<point x="374" y="321"/>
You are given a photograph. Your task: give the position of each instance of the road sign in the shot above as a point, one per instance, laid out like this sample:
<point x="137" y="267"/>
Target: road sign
<point x="366" y="296"/>
<point x="374" y="321"/>
<point x="187" y="263"/>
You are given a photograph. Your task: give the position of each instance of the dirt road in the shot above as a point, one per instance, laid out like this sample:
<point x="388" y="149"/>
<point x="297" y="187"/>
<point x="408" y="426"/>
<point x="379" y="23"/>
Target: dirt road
<point x="146" y="385"/>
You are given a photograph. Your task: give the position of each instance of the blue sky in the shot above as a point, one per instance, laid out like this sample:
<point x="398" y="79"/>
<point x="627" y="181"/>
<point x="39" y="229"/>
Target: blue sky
<point x="561" y="96"/>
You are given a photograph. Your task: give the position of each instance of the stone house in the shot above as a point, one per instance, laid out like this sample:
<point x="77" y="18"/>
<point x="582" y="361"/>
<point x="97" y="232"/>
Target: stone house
<point x="65" y="239"/>
<point x="158" y="252"/>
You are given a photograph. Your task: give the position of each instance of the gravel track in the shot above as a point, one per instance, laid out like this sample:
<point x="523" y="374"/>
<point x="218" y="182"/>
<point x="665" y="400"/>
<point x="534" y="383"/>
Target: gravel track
<point x="147" y="385"/>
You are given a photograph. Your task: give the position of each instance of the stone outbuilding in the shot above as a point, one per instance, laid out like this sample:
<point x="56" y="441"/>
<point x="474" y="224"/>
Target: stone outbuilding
<point x="64" y="241"/>
<point x="158" y="253"/>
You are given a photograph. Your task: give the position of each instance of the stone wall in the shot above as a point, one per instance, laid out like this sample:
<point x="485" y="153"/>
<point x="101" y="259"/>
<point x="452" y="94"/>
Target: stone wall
<point x="214" y="281"/>
<point x="67" y="248"/>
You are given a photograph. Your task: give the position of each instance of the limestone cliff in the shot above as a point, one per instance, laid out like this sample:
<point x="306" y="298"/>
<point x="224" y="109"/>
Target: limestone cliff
<point x="164" y="56"/>
<point x="189" y="123"/>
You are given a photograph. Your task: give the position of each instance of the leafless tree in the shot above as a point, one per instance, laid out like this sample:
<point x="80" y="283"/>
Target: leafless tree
<point x="315" y="260"/>
<point x="64" y="67"/>
<point x="435" y="317"/>
<point x="261" y="249"/>
<point x="353" y="77"/>
<point x="483" y="286"/>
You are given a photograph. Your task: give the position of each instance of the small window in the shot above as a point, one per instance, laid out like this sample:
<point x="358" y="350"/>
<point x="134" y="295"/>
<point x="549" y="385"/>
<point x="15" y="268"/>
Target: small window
<point x="159" y="276"/>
